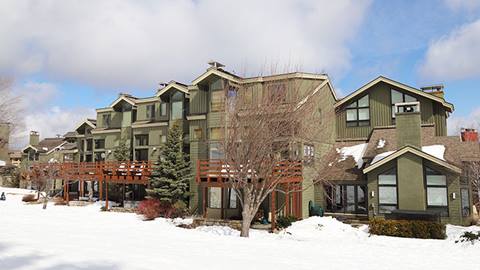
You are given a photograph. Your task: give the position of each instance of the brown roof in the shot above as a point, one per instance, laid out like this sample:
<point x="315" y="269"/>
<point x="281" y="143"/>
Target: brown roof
<point x="338" y="168"/>
<point x="48" y="144"/>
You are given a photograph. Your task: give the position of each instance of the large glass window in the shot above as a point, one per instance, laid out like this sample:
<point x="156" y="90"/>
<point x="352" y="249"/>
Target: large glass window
<point x="387" y="191"/>
<point x="163" y="109"/>
<point x="150" y="111"/>
<point x="358" y="112"/>
<point x="214" y="197"/>
<point x="399" y="97"/>
<point x="465" y="202"/>
<point x="177" y="105"/>
<point x="215" y="151"/>
<point x="232" y="201"/>
<point x="437" y="193"/>
<point x="106" y="118"/>
<point x="99" y="143"/>
<point x="141" y="140"/>
<point x="217" y="101"/>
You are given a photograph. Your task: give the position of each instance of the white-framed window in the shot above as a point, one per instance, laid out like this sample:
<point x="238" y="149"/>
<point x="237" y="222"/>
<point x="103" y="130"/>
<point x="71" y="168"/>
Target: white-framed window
<point x="308" y="153"/>
<point x="387" y="191"/>
<point x="399" y="97"/>
<point x="214" y="197"/>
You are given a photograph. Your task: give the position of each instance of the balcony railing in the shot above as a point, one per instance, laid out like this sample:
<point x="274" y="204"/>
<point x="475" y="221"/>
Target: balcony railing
<point x="220" y="171"/>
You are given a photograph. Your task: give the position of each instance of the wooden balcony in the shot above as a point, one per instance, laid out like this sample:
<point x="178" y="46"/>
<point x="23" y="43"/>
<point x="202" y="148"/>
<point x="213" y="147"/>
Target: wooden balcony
<point x="218" y="171"/>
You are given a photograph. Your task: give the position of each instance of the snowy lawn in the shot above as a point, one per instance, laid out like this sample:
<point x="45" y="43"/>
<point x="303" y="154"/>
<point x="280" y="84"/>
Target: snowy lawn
<point x="63" y="237"/>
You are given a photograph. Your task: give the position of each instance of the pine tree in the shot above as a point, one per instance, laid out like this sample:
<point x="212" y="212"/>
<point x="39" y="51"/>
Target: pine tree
<point x="121" y="152"/>
<point x="170" y="178"/>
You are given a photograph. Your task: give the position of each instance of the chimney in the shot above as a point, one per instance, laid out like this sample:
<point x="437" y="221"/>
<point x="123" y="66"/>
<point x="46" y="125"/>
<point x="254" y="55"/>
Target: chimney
<point x="436" y="90"/>
<point x="408" y="124"/>
<point x="215" y="65"/>
<point x="34" y="138"/>
<point x="469" y="135"/>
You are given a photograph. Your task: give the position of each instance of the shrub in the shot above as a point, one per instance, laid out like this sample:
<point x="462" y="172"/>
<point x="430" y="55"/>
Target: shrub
<point x="469" y="237"/>
<point x="285" y="222"/>
<point x="408" y="228"/>
<point x="150" y="209"/>
<point x="29" y="198"/>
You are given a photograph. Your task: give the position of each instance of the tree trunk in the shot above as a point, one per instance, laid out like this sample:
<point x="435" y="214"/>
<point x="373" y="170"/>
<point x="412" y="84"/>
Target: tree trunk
<point x="246" y="221"/>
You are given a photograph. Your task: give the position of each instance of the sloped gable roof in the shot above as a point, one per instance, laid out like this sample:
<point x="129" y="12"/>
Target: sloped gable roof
<point x="402" y="86"/>
<point x="415" y="151"/>
<point x="172" y="85"/>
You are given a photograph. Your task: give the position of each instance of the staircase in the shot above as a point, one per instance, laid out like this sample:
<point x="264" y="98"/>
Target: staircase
<point x="355" y="220"/>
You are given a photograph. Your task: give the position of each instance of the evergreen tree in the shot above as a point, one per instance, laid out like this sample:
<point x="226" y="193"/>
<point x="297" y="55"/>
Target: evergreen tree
<point x="170" y="178"/>
<point x="121" y="152"/>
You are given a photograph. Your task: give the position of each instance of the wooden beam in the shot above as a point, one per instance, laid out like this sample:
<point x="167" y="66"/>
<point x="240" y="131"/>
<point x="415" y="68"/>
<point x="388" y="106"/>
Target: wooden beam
<point x="273" y="210"/>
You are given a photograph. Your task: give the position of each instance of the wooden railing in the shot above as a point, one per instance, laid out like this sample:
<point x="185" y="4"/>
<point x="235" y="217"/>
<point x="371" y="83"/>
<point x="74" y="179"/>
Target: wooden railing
<point x="219" y="171"/>
<point x="133" y="172"/>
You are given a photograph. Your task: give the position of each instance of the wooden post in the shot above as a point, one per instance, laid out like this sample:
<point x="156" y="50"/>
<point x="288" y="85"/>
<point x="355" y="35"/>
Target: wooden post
<point x="106" y="196"/>
<point x="222" y="200"/>
<point x="287" y="201"/>
<point x="67" y="193"/>
<point x="100" y="189"/>
<point x="204" y="201"/>
<point x="272" y="210"/>
<point x="82" y="188"/>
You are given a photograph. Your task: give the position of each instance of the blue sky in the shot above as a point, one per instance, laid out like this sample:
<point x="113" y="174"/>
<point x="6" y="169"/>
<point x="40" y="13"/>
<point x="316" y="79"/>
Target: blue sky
<point x="74" y="56"/>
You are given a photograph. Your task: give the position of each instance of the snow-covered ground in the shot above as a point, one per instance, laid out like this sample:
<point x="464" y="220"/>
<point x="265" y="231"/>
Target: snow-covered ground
<point x="63" y="237"/>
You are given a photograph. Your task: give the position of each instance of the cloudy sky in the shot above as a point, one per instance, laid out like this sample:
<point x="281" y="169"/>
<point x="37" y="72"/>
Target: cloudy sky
<point x="69" y="57"/>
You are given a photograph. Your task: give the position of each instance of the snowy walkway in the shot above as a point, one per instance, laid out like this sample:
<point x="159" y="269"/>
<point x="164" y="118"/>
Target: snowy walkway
<point x="64" y="237"/>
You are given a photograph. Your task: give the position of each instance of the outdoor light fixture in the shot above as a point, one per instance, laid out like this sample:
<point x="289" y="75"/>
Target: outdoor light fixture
<point x="372" y="194"/>
<point x="454" y="195"/>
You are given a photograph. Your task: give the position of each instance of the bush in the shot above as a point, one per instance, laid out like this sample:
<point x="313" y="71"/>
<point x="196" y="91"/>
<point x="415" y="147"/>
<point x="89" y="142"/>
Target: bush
<point x="469" y="237"/>
<point x="408" y="228"/>
<point x="285" y="222"/>
<point x="29" y="198"/>
<point x="150" y="209"/>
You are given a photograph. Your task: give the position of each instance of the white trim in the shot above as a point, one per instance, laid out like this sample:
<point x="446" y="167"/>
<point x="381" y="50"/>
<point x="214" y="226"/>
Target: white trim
<point x="85" y="122"/>
<point x="104" y="110"/>
<point x="398" y="85"/>
<point x="60" y="145"/>
<point x="197" y="117"/>
<point x="159" y="124"/>
<point x="120" y="98"/>
<point x="29" y="146"/>
<point x="147" y="100"/>
<point x="105" y="131"/>
<point x="414" y="151"/>
<point x="171" y="85"/>
<point x="217" y="72"/>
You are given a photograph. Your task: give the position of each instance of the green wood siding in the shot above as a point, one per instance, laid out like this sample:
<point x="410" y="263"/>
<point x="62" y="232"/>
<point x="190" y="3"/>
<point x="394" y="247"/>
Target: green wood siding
<point x="381" y="113"/>
<point x="198" y="101"/>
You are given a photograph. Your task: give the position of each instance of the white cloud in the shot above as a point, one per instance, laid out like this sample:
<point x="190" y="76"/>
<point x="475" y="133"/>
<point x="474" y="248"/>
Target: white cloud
<point x="140" y="43"/>
<point x="40" y="113"/>
<point x="455" y="56"/>
<point x="458" y="5"/>
<point x="455" y="124"/>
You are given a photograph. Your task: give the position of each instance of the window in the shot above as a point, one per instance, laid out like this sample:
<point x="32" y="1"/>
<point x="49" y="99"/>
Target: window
<point x="215" y="151"/>
<point x="214" y="197"/>
<point x="465" y="202"/>
<point x="151" y="111"/>
<point x="163" y="109"/>
<point x="387" y="191"/>
<point x="141" y="154"/>
<point x="308" y="153"/>
<point x="89" y="144"/>
<point x="99" y="156"/>
<point x="217" y="101"/>
<point x="106" y="120"/>
<point x="232" y="198"/>
<point x="437" y="198"/>
<point x="100" y="144"/>
<point x="141" y="140"/>
<point x="216" y="134"/>
<point x="177" y="105"/>
<point x="197" y="133"/>
<point x="358" y="112"/>
<point x="399" y="97"/>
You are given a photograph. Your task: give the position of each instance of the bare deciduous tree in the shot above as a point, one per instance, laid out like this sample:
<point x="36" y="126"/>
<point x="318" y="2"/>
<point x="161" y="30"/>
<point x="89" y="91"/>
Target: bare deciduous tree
<point x="42" y="177"/>
<point x="472" y="171"/>
<point x="262" y="138"/>
<point x="9" y="103"/>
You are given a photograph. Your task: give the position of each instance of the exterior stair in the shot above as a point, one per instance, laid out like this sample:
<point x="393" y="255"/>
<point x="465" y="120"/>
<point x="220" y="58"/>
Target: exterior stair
<point x="354" y="220"/>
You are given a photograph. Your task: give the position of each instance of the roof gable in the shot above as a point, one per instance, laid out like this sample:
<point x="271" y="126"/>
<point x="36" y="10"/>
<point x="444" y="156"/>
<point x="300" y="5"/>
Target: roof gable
<point x="172" y="85"/>
<point x="216" y="72"/>
<point x="123" y="98"/>
<point x="399" y="85"/>
<point x="409" y="149"/>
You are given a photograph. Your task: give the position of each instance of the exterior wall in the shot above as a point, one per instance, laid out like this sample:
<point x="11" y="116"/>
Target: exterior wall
<point x="381" y="114"/>
<point x="410" y="185"/>
<point x="412" y="190"/>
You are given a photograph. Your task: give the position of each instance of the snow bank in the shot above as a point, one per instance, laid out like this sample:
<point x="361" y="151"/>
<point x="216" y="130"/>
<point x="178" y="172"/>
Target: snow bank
<point x="437" y="151"/>
<point x="2" y="163"/>
<point x="356" y="151"/>
<point x="16" y="191"/>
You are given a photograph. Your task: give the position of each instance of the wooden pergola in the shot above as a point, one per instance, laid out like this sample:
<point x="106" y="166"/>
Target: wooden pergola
<point x="119" y="172"/>
<point x="217" y="173"/>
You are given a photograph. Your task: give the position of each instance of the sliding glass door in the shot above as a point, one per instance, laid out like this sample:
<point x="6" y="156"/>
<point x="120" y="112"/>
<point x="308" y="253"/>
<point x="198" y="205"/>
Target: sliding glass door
<point x="347" y="199"/>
